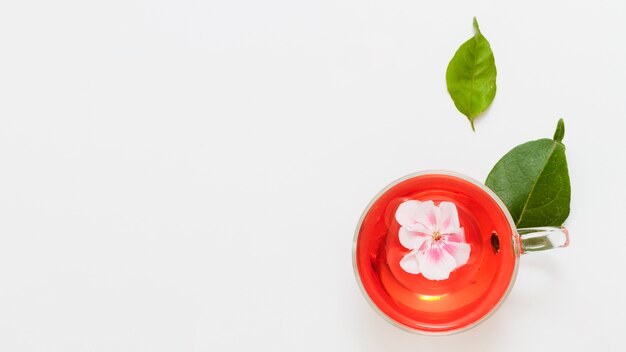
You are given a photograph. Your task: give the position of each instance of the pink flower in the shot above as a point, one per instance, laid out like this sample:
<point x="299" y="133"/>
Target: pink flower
<point x="436" y="239"/>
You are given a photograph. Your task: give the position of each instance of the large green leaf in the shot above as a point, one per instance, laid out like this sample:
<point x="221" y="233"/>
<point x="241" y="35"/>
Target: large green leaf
<point x="471" y="76"/>
<point x="533" y="181"/>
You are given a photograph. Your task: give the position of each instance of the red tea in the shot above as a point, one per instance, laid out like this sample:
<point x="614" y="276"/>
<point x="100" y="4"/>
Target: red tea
<point x="471" y="291"/>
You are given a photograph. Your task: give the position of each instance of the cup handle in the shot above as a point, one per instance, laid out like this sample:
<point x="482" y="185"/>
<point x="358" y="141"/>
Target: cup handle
<point x="535" y="239"/>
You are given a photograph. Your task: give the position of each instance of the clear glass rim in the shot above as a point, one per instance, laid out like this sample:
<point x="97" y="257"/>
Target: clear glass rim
<point x="515" y="244"/>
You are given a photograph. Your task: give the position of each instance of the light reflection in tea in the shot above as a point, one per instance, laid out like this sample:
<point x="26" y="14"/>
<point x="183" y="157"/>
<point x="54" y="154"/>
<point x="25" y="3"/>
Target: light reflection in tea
<point x="429" y="298"/>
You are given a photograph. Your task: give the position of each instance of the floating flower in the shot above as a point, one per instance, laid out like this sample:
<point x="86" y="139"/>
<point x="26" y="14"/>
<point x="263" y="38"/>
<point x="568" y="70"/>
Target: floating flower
<point x="434" y="236"/>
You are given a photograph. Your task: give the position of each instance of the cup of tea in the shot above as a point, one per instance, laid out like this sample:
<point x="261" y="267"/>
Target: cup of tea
<point x="436" y="252"/>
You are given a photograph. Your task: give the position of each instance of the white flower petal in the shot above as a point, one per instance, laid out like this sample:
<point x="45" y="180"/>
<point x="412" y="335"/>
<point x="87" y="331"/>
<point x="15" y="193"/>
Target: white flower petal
<point x="455" y="237"/>
<point x="417" y="227"/>
<point x="426" y="217"/>
<point x="448" y="220"/>
<point x="418" y="216"/>
<point x="412" y="239"/>
<point x="459" y="251"/>
<point x="435" y="263"/>
<point x="410" y="264"/>
<point x="406" y="212"/>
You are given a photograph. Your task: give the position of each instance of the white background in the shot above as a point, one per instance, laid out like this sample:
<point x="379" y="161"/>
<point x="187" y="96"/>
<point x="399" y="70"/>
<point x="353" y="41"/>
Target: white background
<point x="187" y="175"/>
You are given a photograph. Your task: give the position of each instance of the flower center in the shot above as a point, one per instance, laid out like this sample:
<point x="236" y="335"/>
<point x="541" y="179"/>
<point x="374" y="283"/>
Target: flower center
<point x="436" y="236"/>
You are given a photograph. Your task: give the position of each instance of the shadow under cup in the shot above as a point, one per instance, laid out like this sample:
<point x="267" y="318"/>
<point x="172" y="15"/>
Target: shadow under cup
<point x="472" y="291"/>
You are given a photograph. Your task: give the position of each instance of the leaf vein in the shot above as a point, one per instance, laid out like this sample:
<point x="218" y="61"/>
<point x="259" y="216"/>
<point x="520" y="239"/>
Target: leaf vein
<point x="521" y="216"/>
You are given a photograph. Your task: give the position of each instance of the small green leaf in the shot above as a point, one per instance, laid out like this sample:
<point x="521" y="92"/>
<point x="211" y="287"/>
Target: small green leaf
<point x="533" y="181"/>
<point x="471" y="76"/>
<point x="560" y="131"/>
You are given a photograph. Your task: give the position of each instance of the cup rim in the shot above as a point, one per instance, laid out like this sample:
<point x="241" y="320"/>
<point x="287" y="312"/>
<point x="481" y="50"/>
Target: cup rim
<point x="515" y="244"/>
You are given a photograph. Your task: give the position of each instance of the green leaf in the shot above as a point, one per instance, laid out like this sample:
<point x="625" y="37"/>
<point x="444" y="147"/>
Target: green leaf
<point x="533" y="181"/>
<point x="471" y="76"/>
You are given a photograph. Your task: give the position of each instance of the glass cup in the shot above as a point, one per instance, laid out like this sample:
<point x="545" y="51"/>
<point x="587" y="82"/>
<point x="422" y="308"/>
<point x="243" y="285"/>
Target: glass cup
<point x="436" y="252"/>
